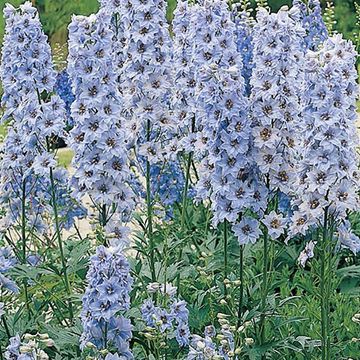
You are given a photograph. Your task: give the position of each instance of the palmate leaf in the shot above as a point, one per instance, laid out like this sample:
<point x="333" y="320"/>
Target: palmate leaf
<point x="79" y="257"/>
<point x="65" y="337"/>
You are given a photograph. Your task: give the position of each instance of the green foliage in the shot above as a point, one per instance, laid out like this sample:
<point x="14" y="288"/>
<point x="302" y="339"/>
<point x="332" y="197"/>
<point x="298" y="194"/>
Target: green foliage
<point x="56" y="15"/>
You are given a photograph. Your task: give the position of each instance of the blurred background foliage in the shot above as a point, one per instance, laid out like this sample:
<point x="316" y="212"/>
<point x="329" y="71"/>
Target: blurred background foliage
<point x="56" y="14"/>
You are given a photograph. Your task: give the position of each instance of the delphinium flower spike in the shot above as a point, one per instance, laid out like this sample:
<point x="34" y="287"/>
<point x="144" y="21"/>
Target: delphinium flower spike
<point x="36" y="122"/>
<point x="33" y="187"/>
<point x="146" y="81"/>
<point x="277" y="86"/>
<point x="183" y="102"/>
<point x="107" y="296"/>
<point x="63" y="89"/>
<point x="244" y="40"/>
<point x="98" y="136"/>
<point x="170" y="319"/>
<point x="228" y="176"/>
<point x="117" y="9"/>
<point x="312" y="22"/>
<point x="146" y="85"/>
<point x="101" y="172"/>
<point x="328" y="168"/>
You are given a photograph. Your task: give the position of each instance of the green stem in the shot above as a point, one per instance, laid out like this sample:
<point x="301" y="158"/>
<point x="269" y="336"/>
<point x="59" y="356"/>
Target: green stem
<point x="23" y="221"/>
<point x="225" y="253"/>
<point x="103" y="217"/>
<point x="185" y="193"/>
<point x="105" y="335"/>
<point x="183" y="210"/>
<point x="23" y="240"/>
<point x="325" y="285"/>
<point x="57" y="225"/>
<point x="264" y="291"/>
<point x="150" y="212"/>
<point x="60" y="243"/>
<point x="6" y="327"/>
<point x="241" y="295"/>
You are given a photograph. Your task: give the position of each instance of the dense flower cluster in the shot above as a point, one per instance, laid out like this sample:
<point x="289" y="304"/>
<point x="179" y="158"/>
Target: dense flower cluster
<point x="38" y="120"/>
<point x="277" y="84"/>
<point x="29" y="347"/>
<point x="184" y="105"/>
<point x="265" y="112"/>
<point x="146" y="77"/>
<point x="63" y="89"/>
<point x="328" y="170"/>
<point x="221" y="108"/>
<point x="167" y="182"/>
<point x="244" y="42"/>
<point x="7" y="262"/>
<point x="228" y="176"/>
<point x="98" y="137"/>
<point x="117" y="9"/>
<point x="21" y="70"/>
<point x="208" y="346"/>
<point x="107" y="295"/>
<point x="172" y="318"/>
<point x="313" y="23"/>
<point x="26" y="57"/>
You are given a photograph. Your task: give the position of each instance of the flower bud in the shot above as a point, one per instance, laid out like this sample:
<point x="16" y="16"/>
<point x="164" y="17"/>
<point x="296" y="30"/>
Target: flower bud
<point x="25" y="349"/>
<point x="43" y="355"/>
<point x="50" y="343"/>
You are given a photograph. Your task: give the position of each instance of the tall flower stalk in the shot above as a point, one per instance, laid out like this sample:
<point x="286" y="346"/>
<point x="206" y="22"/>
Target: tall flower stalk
<point x="146" y="87"/>
<point x="33" y="186"/>
<point x="328" y="181"/>
<point x="277" y="85"/>
<point x="102" y="172"/>
<point x="98" y="136"/>
<point x="228" y="176"/>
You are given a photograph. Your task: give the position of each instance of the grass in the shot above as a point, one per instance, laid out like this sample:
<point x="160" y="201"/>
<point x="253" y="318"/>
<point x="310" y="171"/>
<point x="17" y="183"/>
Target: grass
<point x="64" y="157"/>
<point x="3" y="131"/>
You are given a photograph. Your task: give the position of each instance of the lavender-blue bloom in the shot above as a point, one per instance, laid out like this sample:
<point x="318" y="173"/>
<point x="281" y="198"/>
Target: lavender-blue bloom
<point x="244" y="42"/>
<point x="313" y="23"/>
<point x="12" y="351"/>
<point x="206" y="347"/>
<point x="63" y="89"/>
<point x="226" y="174"/>
<point x="146" y="81"/>
<point x="183" y="101"/>
<point x="277" y="87"/>
<point x="98" y="137"/>
<point x="106" y="297"/>
<point x="117" y="9"/>
<point x="7" y="262"/>
<point x="328" y="168"/>
<point x="173" y="318"/>
<point x="37" y="120"/>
